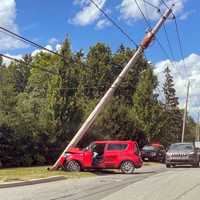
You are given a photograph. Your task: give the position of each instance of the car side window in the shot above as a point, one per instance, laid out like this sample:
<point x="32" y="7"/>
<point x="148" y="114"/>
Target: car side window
<point x="116" y="147"/>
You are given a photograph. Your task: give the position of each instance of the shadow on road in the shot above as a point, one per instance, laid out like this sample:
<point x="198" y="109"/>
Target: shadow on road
<point x="113" y="172"/>
<point x="184" y="166"/>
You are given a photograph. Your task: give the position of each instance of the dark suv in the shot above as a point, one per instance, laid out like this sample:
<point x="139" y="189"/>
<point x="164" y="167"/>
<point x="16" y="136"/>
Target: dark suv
<point x="153" y="152"/>
<point x="182" y="154"/>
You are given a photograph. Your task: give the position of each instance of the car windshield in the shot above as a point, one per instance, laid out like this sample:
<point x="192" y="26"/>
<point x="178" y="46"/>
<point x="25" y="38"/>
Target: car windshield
<point x="181" y="147"/>
<point x="149" y="148"/>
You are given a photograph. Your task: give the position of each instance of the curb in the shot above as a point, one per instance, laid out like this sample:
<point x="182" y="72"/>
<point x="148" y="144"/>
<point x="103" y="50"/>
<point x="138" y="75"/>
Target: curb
<point x="32" y="182"/>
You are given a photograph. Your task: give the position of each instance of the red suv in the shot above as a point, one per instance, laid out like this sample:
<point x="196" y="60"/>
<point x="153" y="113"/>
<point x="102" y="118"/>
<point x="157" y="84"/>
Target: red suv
<point x="124" y="155"/>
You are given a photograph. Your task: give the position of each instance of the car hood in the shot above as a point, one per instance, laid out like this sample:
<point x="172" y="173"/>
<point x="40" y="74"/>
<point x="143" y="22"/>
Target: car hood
<point x="180" y="151"/>
<point x="75" y="150"/>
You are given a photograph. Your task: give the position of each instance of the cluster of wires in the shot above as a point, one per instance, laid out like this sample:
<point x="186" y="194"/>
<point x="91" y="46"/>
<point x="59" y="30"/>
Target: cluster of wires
<point x="115" y="24"/>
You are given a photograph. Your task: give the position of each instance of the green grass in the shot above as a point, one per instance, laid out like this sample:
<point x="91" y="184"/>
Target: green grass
<point x="28" y="173"/>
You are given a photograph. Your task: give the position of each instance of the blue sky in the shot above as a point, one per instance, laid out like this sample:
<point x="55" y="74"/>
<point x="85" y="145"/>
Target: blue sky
<point x="48" y="22"/>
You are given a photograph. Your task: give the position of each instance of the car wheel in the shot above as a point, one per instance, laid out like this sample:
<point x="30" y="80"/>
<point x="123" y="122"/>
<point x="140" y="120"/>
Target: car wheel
<point x="196" y="165"/>
<point x="163" y="159"/>
<point x="127" y="167"/>
<point x="73" y="166"/>
<point x="168" y="165"/>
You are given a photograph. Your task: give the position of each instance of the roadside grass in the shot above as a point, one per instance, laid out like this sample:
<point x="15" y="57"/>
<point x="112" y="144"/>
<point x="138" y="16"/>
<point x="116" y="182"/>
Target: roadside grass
<point x="28" y="173"/>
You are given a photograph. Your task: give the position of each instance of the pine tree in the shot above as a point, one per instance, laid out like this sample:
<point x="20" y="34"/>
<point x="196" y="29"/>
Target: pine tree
<point x="171" y="101"/>
<point x="173" y="124"/>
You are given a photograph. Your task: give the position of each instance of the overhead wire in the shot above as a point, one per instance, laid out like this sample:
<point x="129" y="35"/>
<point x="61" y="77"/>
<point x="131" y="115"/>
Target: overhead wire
<point x="168" y="41"/>
<point x="180" y="43"/>
<point x="29" y="64"/>
<point x="152" y="5"/>
<point x="27" y="41"/>
<point x="114" y="23"/>
<point x="157" y="40"/>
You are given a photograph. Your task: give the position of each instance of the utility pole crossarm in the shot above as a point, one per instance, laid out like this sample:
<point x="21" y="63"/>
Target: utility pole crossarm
<point x="108" y="95"/>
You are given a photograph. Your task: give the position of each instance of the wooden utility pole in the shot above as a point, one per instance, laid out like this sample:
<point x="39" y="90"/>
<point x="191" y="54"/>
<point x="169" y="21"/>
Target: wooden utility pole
<point x="185" y="112"/>
<point x="197" y="127"/>
<point x="108" y="95"/>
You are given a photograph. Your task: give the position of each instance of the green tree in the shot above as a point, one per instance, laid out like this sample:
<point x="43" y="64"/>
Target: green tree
<point x="173" y="114"/>
<point x="146" y="110"/>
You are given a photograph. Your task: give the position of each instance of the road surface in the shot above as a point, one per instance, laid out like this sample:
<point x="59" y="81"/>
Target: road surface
<point x="149" y="183"/>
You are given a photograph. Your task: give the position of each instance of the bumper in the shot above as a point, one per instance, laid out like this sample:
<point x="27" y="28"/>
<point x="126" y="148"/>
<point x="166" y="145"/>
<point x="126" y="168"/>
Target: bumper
<point x="182" y="162"/>
<point x="149" y="158"/>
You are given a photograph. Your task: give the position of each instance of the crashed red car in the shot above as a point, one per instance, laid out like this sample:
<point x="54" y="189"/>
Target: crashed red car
<point x="123" y="155"/>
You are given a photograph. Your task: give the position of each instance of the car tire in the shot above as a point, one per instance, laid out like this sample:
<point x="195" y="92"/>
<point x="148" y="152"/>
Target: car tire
<point x="127" y="167"/>
<point x="73" y="166"/>
<point x="163" y="159"/>
<point x="196" y="165"/>
<point x="168" y="165"/>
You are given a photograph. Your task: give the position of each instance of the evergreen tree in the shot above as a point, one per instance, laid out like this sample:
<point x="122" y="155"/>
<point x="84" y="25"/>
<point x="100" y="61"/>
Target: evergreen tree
<point x="171" y="101"/>
<point x="173" y="124"/>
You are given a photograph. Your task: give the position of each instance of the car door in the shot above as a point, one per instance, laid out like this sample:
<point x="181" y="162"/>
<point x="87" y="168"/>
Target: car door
<point x="88" y="156"/>
<point x="112" y="155"/>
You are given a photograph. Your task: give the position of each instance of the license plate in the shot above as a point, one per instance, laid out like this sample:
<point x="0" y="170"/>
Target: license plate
<point x="146" y="159"/>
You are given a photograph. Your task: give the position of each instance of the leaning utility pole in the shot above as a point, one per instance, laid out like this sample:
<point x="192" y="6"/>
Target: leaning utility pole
<point x="185" y="112"/>
<point x="108" y="95"/>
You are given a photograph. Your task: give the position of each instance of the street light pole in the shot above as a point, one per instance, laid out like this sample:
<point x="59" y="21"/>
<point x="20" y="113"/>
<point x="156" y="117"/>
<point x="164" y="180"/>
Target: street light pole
<point x="108" y="95"/>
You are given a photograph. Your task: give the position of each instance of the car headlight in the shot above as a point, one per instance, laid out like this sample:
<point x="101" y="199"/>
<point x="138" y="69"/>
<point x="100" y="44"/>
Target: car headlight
<point x="67" y="154"/>
<point x="168" y="155"/>
<point x="191" y="153"/>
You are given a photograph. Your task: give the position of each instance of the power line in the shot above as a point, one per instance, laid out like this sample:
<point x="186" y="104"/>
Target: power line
<point x="114" y="23"/>
<point x="28" y="64"/>
<point x="143" y="15"/>
<point x="169" y="43"/>
<point x="179" y="42"/>
<point x="178" y="35"/>
<point x="152" y="5"/>
<point x="27" y="41"/>
<point x="157" y="40"/>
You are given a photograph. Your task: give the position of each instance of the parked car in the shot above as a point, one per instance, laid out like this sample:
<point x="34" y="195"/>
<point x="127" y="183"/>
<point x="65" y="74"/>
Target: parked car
<point x="153" y="152"/>
<point x="123" y="155"/>
<point x="182" y="154"/>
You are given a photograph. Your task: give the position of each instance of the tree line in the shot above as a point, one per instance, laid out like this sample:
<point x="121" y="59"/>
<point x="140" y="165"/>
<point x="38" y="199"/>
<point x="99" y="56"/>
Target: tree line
<point x="41" y="111"/>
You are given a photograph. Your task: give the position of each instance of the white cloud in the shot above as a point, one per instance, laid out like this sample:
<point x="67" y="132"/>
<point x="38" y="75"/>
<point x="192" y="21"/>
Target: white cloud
<point x="102" y="23"/>
<point x="185" y="15"/>
<point x="130" y="11"/>
<point x="88" y="14"/>
<point x="35" y="52"/>
<point x="58" y="47"/>
<point x="53" y="41"/>
<point x="181" y="77"/>
<point x="7" y="20"/>
<point x="7" y="61"/>
<point x="55" y="47"/>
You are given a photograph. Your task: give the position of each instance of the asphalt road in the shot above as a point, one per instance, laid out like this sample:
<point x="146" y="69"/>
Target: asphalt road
<point x="152" y="183"/>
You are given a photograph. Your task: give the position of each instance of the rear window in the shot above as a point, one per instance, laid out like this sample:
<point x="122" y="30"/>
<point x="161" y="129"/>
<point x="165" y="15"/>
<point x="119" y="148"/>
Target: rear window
<point x="182" y="146"/>
<point x="117" y="147"/>
<point x="149" y="148"/>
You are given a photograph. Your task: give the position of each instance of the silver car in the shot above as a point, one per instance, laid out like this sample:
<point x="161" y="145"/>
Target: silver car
<point x="182" y="154"/>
